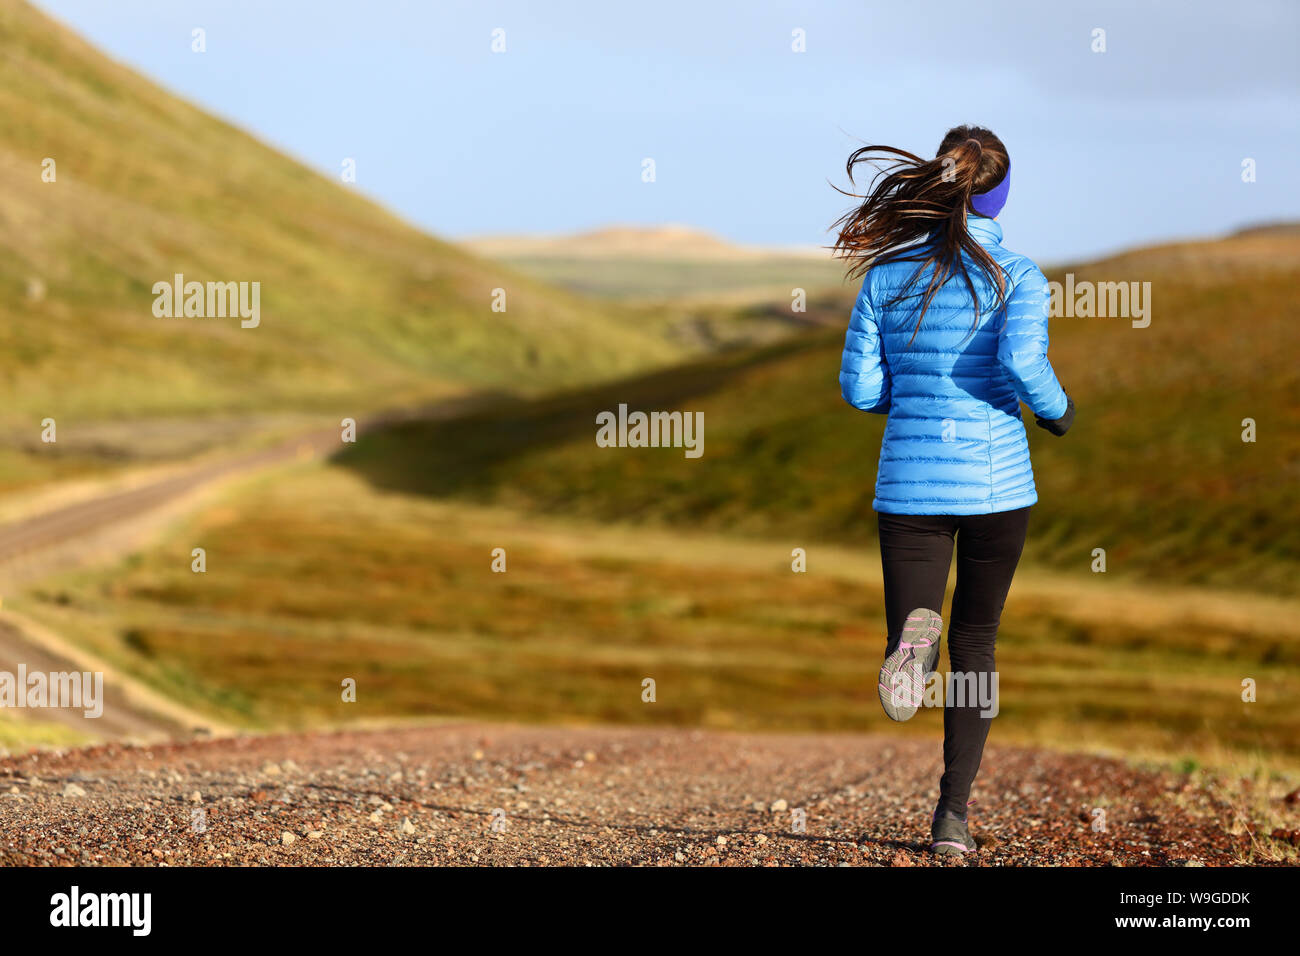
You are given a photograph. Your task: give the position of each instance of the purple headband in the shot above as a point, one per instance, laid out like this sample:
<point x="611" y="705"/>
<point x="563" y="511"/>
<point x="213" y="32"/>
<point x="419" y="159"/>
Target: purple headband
<point x="990" y="203"/>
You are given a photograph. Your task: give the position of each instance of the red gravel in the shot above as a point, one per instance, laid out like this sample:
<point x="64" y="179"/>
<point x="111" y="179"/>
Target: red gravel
<point x="585" y="796"/>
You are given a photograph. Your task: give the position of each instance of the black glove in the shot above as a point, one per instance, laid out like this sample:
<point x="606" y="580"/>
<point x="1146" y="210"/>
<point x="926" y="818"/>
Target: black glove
<point x="1058" y="426"/>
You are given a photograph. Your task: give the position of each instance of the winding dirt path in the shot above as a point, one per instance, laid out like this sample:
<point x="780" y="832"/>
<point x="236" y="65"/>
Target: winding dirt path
<point x="104" y="526"/>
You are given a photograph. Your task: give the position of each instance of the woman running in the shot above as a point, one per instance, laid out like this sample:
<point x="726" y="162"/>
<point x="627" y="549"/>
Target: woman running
<point x="948" y="337"/>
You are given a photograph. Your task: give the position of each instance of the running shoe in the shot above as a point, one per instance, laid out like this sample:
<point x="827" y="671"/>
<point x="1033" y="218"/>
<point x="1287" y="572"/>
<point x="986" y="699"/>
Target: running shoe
<point x="950" y="834"/>
<point x="902" y="678"/>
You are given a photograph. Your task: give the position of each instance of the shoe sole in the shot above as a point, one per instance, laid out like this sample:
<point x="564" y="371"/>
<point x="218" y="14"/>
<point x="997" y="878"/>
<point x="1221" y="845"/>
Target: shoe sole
<point x="949" y="848"/>
<point x="902" y="677"/>
<point x="956" y="840"/>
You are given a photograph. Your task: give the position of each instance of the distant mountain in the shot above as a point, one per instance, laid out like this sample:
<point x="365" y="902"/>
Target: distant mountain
<point x="1270" y="229"/>
<point x="672" y="263"/>
<point x="672" y="241"/>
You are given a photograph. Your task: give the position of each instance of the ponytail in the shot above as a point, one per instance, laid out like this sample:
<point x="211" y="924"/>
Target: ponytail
<point x="915" y="210"/>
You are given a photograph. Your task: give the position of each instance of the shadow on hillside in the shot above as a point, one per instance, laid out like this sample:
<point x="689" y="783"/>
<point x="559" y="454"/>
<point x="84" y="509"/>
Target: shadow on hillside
<point x="451" y="455"/>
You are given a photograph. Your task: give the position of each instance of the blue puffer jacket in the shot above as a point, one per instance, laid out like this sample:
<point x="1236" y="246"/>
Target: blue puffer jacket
<point x="954" y="442"/>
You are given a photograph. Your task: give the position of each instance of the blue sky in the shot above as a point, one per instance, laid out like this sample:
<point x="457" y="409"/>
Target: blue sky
<point x="1142" y="142"/>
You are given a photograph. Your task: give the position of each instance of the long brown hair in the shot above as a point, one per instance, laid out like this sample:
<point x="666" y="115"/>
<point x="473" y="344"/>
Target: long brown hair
<point x="915" y="210"/>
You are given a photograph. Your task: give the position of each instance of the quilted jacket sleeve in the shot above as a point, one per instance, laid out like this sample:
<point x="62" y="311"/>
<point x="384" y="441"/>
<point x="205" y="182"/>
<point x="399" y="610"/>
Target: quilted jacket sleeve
<point x="1022" y="346"/>
<point x="864" y="376"/>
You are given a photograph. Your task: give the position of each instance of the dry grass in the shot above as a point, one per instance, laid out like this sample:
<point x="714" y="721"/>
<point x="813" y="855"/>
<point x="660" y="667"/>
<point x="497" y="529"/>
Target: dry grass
<point x="314" y="576"/>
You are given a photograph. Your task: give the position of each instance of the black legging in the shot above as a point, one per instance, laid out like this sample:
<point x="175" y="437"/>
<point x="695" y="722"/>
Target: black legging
<point x="916" y="553"/>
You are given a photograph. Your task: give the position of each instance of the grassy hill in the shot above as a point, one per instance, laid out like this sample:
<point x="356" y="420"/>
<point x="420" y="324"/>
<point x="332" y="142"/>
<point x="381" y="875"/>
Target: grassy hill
<point x="358" y="308"/>
<point x="673" y="263"/>
<point x="632" y="563"/>
<point x="1155" y="470"/>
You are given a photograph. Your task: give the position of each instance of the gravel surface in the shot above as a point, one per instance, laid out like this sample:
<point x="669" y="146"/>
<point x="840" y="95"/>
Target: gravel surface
<point x="473" y="794"/>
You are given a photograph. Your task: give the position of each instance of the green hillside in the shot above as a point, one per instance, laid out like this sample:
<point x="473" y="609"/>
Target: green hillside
<point x="628" y="563"/>
<point x="740" y="281"/>
<point x="358" y="308"/>
<point x="1155" y="470"/>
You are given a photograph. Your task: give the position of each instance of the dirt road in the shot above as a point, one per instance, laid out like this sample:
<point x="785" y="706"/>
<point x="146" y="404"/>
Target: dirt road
<point x="40" y="532"/>
<point x="67" y="534"/>
<point x="101" y="526"/>
<point x="431" y="795"/>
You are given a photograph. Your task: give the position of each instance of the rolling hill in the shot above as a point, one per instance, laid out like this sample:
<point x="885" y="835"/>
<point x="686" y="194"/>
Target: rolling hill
<point x="114" y="185"/>
<point x="670" y="241"/>
<point x="665" y="263"/>
<point x="1155" y="470"/>
<point x="627" y="563"/>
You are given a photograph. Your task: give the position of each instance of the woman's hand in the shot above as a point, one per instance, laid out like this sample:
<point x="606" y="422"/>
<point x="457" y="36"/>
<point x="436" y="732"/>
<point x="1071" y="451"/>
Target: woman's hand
<point x="1059" y="426"/>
